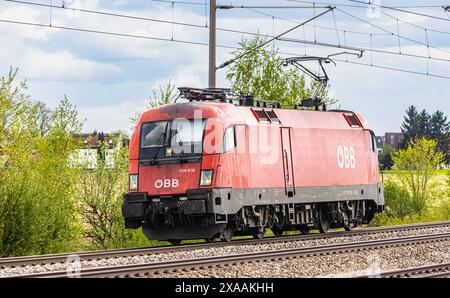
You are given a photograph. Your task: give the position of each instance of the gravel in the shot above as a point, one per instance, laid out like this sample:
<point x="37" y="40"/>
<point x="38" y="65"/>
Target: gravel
<point x="348" y="262"/>
<point x="339" y="265"/>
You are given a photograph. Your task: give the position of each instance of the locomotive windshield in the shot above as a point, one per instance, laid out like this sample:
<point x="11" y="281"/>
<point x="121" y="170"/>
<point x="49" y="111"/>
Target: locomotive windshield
<point x="153" y="133"/>
<point x="177" y="138"/>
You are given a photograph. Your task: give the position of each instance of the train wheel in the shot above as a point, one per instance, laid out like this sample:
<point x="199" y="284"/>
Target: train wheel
<point x="324" y="221"/>
<point x="210" y="240"/>
<point x="227" y="234"/>
<point x="258" y="233"/>
<point x="277" y="231"/>
<point x="174" y="241"/>
<point x="304" y="230"/>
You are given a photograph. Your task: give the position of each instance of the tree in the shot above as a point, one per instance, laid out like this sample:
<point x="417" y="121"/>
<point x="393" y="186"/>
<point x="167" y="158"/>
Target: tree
<point x="165" y="94"/>
<point x="418" y="163"/>
<point x="439" y="130"/>
<point x="262" y="74"/>
<point x="100" y="150"/>
<point x="410" y="126"/>
<point x="423" y="125"/>
<point x="385" y="158"/>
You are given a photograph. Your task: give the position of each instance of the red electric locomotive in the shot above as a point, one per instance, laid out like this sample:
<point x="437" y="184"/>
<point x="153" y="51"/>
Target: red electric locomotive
<point x="209" y="168"/>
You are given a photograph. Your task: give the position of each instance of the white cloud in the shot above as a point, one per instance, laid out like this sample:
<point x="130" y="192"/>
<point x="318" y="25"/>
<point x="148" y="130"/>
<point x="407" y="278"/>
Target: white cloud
<point x="78" y="68"/>
<point x="62" y="66"/>
<point x="109" y="117"/>
<point x="26" y="14"/>
<point x="185" y="76"/>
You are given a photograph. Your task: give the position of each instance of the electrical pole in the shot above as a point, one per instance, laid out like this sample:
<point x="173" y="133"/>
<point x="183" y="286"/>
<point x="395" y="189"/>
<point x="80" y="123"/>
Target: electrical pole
<point x="212" y="44"/>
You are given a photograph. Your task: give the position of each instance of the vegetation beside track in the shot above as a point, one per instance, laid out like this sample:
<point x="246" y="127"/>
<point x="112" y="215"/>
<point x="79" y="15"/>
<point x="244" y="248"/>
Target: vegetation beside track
<point x="400" y="206"/>
<point x="48" y="206"/>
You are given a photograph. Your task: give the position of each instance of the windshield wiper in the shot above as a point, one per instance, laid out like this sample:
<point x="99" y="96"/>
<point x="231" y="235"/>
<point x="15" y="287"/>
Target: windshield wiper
<point x="180" y="144"/>
<point x="161" y="144"/>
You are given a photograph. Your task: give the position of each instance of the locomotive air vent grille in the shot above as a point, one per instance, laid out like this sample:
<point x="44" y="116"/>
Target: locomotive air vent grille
<point x="352" y="120"/>
<point x="266" y="116"/>
<point x="261" y="115"/>
<point x="273" y="117"/>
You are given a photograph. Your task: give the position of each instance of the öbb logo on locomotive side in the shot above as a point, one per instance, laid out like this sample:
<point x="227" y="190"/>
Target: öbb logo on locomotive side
<point x="346" y="157"/>
<point x="167" y="183"/>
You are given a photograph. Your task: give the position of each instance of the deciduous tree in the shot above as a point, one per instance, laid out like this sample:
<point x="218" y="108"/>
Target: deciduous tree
<point x="261" y="73"/>
<point x="418" y="163"/>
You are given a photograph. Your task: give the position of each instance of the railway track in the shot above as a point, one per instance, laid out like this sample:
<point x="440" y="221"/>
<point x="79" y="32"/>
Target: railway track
<point x="435" y="270"/>
<point x="162" y="268"/>
<point x="111" y="254"/>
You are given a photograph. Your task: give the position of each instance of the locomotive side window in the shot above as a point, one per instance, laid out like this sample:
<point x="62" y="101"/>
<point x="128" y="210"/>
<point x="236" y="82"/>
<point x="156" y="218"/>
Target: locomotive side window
<point x="229" y="139"/>
<point x="374" y="143"/>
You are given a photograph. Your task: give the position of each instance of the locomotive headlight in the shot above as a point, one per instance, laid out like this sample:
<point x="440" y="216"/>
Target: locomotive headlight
<point x="133" y="182"/>
<point x="206" y="178"/>
<point x="169" y="151"/>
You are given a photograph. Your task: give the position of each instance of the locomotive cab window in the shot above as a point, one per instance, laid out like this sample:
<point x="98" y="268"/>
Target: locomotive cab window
<point x="167" y="139"/>
<point x="229" y="139"/>
<point x="154" y="134"/>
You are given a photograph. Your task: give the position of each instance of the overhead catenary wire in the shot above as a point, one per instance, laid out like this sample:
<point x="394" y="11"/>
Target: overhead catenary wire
<point x="412" y="24"/>
<point x="364" y="49"/>
<point x="111" y="33"/>
<point x="234" y="31"/>
<point x="375" y="7"/>
<point x="183" y="41"/>
<point x="387" y="32"/>
<point x="390" y="32"/>
<point x="230" y="6"/>
<point x="202" y="44"/>
<point x="202" y="26"/>
<point x="230" y="61"/>
<point x="309" y="25"/>
<point x="181" y="2"/>
<point x="371" y="49"/>
<point x="401" y="10"/>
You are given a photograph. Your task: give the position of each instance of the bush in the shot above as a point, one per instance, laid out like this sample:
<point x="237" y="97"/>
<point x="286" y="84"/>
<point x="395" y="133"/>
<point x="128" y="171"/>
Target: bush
<point x="37" y="211"/>
<point x="100" y="192"/>
<point x="397" y="199"/>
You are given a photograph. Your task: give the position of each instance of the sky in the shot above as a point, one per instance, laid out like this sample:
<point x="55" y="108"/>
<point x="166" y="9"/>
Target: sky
<point x="110" y="77"/>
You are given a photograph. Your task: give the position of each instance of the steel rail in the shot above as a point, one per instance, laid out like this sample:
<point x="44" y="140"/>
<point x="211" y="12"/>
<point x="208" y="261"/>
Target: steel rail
<point x="161" y="268"/>
<point x="117" y="253"/>
<point x="434" y="270"/>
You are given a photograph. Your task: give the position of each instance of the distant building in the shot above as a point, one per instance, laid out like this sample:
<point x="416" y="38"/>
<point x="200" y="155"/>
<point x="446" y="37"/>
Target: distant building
<point x="92" y="140"/>
<point x="87" y="155"/>
<point x="393" y="140"/>
<point x="448" y="147"/>
<point x="380" y="143"/>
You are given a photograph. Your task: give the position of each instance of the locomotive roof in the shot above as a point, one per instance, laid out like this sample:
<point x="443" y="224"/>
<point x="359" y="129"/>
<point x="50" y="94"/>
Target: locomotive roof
<point x="232" y="114"/>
